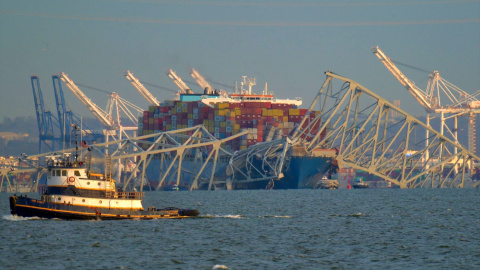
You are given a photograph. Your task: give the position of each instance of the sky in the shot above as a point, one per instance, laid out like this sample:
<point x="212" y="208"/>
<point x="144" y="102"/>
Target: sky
<point x="289" y="44"/>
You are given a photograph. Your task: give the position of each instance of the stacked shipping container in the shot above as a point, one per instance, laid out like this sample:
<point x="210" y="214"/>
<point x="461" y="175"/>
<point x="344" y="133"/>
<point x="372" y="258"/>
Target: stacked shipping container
<point x="265" y="121"/>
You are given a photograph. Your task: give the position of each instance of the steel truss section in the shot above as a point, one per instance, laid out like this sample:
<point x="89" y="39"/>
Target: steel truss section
<point x="11" y="168"/>
<point x="192" y="152"/>
<point x="262" y="161"/>
<point x="357" y="123"/>
<point x="176" y="150"/>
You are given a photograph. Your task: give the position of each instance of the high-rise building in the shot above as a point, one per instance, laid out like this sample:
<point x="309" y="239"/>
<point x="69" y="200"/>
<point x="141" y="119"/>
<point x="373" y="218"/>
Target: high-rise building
<point x="396" y="103"/>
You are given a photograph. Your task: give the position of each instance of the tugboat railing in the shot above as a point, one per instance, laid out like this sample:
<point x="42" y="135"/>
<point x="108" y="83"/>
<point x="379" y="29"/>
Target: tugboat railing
<point x="126" y="195"/>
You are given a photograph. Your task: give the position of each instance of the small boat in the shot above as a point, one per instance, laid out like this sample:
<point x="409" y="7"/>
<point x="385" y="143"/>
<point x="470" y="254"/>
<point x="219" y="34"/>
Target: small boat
<point x="359" y="183"/>
<point x="326" y="183"/>
<point x="75" y="192"/>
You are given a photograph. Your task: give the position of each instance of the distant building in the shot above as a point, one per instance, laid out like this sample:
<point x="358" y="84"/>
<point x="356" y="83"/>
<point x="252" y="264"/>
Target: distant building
<point x="10" y="136"/>
<point x="395" y="114"/>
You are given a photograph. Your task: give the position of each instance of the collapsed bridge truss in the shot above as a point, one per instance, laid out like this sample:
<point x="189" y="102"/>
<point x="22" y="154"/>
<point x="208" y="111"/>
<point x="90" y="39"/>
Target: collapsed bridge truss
<point x="170" y="150"/>
<point x="358" y="124"/>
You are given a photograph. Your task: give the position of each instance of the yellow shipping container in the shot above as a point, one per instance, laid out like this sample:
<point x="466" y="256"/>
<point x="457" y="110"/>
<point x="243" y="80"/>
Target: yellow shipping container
<point x="145" y="132"/>
<point x="185" y="110"/>
<point x="151" y="108"/>
<point x="294" y="112"/>
<point x="150" y="121"/>
<point x="223" y="124"/>
<point x="221" y="112"/>
<point x="243" y="147"/>
<point x="190" y="116"/>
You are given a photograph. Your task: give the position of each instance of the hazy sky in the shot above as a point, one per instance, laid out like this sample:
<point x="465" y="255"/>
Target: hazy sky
<point x="288" y="44"/>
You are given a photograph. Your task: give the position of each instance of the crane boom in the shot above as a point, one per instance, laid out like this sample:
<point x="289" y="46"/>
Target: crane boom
<point x="201" y="80"/>
<point x="139" y="86"/>
<point x="65" y="117"/>
<point x="416" y="92"/>
<point x="178" y="81"/>
<point x="101" y="115"/>
<point x="44" y="117"/>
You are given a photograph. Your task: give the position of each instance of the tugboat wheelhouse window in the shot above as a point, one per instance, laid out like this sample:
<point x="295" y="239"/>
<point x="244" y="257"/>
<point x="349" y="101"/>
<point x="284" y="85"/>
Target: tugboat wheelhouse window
<point x="77" y="173"/>
<point x="64" y="172"/>
<point x="58" y="172"/>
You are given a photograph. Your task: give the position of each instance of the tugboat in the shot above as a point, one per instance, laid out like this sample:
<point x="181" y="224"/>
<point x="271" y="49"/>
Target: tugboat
<point x="75" y="192"/>
<point x="359" y="183"/>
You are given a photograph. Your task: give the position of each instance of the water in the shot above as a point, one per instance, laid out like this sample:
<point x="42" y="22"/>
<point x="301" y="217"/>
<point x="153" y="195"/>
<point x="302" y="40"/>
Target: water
<point x="264" y="229"/>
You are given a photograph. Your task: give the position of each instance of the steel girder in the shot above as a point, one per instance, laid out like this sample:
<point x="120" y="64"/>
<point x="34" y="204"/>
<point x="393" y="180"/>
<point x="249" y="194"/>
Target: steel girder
<point x="262" y="161"/>
<point x="357" y="122"/>
<point x="174" y="149"/>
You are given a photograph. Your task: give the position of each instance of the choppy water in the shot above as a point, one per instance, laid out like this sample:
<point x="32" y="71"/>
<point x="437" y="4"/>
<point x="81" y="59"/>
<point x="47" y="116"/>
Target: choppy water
<point x="288" y="229"/>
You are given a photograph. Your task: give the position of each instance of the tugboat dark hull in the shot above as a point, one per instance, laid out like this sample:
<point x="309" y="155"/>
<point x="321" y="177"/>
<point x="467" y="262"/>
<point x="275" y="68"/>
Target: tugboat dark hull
<point x="27" y="207"/>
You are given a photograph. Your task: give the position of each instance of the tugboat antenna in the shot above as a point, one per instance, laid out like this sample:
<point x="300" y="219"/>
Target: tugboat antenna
<point x="76" y="142"/>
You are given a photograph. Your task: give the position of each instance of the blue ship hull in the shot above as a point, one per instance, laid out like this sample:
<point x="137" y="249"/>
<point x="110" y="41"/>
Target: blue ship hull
<point x="298" y="174"/>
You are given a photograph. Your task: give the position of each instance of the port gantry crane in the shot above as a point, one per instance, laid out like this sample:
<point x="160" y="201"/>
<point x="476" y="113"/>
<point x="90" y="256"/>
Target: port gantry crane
<point x="139" y="86"/>
<point x="184" y="89"/>
<point x="44" y="118"/>
<point x="461" y="103"/>
<point x="67" y="119"/>
<point x="109" y="118"/>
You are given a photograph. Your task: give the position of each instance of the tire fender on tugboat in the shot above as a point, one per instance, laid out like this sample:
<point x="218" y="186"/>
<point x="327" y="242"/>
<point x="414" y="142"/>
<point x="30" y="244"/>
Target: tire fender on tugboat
<point x="13" y="205"/>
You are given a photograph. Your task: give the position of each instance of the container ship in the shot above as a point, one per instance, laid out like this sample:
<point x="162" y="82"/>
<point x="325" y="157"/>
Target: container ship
<point x="265" y="117"/>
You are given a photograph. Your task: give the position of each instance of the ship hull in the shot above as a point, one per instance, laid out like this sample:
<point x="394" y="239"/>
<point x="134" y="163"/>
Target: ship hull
<point x="360" y="186"/>
<point x="28" y="207"/>
<point x="298" y="174"/>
